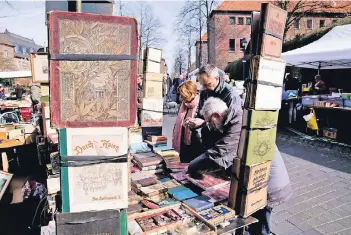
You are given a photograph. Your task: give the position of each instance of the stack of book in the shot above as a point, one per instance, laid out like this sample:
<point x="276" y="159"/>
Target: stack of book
<point x="148" y="162"/>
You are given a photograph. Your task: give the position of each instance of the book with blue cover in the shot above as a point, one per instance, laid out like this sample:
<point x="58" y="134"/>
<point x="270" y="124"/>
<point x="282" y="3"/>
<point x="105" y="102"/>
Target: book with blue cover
<point x="181" y="193"/>
<point x="199" y="203"/>
<point x="139" y="148"/>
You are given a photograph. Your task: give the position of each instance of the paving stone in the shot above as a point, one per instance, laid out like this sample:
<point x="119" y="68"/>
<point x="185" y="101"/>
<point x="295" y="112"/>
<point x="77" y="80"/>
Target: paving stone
<point x="331" y="204"/>
<point x="345" y="199"/>
<point x="328" y="217"/>
<point x="281" y="216"/>
<point x="345" y="232"/>
<point x="282" y="227"/>
<point x="314" y="222"/>
<point x="312" y="232"/>
<point x="299" y="208"/>
<point x="346" y="222"/>
<point x="315" y="211"/>
<point x="341" y="211"/>
<point x="330" y="228"/>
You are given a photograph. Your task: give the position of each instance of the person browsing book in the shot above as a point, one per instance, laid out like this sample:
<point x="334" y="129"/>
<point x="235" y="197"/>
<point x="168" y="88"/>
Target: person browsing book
<point x="187" y="141"/>
<point x="221" y="142"/>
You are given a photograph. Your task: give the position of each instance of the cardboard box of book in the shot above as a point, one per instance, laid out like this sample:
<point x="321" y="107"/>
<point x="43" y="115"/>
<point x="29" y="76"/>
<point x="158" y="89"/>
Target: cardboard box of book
<point x="259" y="119"/>
<point x="253" y="201"/>
<point x="112" y="222"/>
<point x="255" y="176"/>
<point x="257" y="146"/>
<point x="152" y="89"/>
<point x="94" y="172"/>
<point x="152" y="112"/>
<point x="264" y="97"/>
<point x="153" y="77"/>
<point x="268" y="70"/>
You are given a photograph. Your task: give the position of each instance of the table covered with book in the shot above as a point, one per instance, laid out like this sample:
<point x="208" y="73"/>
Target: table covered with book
<point x="163" y="197"/>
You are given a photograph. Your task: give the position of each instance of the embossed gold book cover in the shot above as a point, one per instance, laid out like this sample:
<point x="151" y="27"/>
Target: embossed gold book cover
<point x="93" y="69"/>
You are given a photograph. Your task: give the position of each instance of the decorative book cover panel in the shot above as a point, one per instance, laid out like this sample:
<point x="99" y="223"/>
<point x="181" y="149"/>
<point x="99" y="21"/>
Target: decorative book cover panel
<point x="153" y="77"/>
<point x="151" y="119"/>
<point x="40" y="68"/>
<point x="260" y="145"/>
<point x="154" y="54"/>
<point x="95" y="141"/>
<point x="268" y="70"/>
<point x="259" y="119"/>
<point x="218" y="195"/>
<point x="152" y="89"/>
<point x="95" y="187"/>
<point x="92" y="93"/>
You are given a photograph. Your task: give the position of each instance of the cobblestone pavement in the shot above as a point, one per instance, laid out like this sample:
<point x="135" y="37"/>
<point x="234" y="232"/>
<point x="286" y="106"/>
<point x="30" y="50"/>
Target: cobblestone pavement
<point x="321" y="180"/>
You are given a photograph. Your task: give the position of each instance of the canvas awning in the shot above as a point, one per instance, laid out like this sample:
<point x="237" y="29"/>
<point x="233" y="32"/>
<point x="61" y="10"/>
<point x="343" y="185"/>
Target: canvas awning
<point x="16" y="74"/>
<point x="332" y="51"/>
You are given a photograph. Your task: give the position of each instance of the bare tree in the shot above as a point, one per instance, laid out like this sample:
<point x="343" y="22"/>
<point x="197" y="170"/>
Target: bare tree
<point x="150" y="34"/>
<point x="201" y="11"/>
<point x="180" y="60"/>
<point x="301" y="8"/>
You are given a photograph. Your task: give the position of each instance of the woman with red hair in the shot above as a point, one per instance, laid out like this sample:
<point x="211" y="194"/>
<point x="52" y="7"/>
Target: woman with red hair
<point x="186" y="141"/>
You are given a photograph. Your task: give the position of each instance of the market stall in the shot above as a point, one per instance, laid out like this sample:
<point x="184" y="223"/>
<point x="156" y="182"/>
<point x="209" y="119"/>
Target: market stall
<point x="331" y="52"/>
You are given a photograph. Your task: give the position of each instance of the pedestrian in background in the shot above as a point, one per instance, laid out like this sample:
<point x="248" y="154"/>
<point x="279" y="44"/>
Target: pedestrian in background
<point x="176" y="83"/>
<point x="186" y="141"/>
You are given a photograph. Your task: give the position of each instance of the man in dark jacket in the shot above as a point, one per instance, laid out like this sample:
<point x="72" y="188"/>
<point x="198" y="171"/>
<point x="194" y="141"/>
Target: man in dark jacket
<point x="221" y="139"/>
<point x="222" y="145"/>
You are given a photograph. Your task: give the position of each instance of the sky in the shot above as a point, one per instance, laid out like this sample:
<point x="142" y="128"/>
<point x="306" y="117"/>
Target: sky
<point x="27" y="18"/>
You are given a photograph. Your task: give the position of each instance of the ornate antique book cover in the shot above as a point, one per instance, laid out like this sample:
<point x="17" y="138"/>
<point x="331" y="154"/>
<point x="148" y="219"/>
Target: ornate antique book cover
<point x="93" y="70"/>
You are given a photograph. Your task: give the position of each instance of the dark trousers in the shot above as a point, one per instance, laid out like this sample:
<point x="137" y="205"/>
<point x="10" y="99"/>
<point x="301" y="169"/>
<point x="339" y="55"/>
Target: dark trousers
<point x="263" y="226"/>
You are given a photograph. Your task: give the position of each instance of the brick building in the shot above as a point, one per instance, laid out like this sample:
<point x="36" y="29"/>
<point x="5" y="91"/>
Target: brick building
<point x="231" y="23"/>
<point x="15" y="52"/>
<point x="204" y="54"/>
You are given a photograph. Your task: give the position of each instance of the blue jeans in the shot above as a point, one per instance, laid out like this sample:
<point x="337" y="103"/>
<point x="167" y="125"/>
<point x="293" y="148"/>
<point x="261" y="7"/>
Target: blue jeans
<point x="263" y="226"/>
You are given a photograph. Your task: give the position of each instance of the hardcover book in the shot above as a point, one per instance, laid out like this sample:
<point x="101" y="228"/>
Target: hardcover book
<point x="218" y="195"/>
<point x="143" y="155"/>
<point x="168" y="202"/>
<point x="145" y="182"/>
<point x="139" y="148"/>
<point x="180" y="176"/>
<point x="199" y="203"/>
<point x="170" y="183"/>
<point x="149" y="161"/>
<point x="226" y="212"/>
<point x="93" y="70"/>
<point x="208" y="181"/>
<point x="153" y="190"/>
<point x="181" y="193"/>
<point x="211" y="216"/>
<point x="154" y="138"/>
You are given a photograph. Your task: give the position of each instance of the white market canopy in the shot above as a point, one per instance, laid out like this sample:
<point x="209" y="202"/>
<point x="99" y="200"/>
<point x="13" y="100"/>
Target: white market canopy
<point x="332" y="51"/>
<point x="16" y="74"/>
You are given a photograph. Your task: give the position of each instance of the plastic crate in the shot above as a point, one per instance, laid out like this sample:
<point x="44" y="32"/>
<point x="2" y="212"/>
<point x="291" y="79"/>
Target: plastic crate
<point x="309" y="100"/>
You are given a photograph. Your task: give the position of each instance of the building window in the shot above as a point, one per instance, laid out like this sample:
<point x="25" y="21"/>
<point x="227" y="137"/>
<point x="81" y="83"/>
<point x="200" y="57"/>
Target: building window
<point x="231" y="44"/>
<point x="335" y="21"/>
<point x="297" y="23"/>
<point x="6" y="53"/>
<point x="241" y="20"/>
<point x="231" y="20"/>
<point x="322" y="23"/>
<point x="24" y="50"/>
<point x="309" y="24"/>
<point x="16" y="48"/>
<point x="248" y="20"/>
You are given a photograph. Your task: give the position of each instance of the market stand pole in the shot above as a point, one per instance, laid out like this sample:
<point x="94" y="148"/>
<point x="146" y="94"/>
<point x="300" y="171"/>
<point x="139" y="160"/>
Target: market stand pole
<point x="250" y="171"/>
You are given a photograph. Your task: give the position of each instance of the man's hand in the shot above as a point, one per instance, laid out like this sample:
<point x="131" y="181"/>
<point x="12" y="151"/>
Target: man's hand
<point x="193" y="123"/>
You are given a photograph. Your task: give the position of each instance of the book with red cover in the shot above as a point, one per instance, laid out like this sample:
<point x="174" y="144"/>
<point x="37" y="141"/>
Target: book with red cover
<point x="218" y="195"/>
<point x="148" y="161"/>
<point x="154" y="138"/>
<point x="93" y="70"/>
<point x="208" y="181"/>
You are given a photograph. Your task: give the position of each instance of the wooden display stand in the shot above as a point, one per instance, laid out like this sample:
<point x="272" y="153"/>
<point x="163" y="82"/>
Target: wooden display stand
<point x="251" y="169"/>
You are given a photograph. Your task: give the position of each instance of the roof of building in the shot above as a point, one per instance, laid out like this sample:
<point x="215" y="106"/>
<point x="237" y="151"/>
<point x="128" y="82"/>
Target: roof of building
<point x="203" y="38"/>
<point x="19" y="40"/>
<point x="324" y="7"/>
